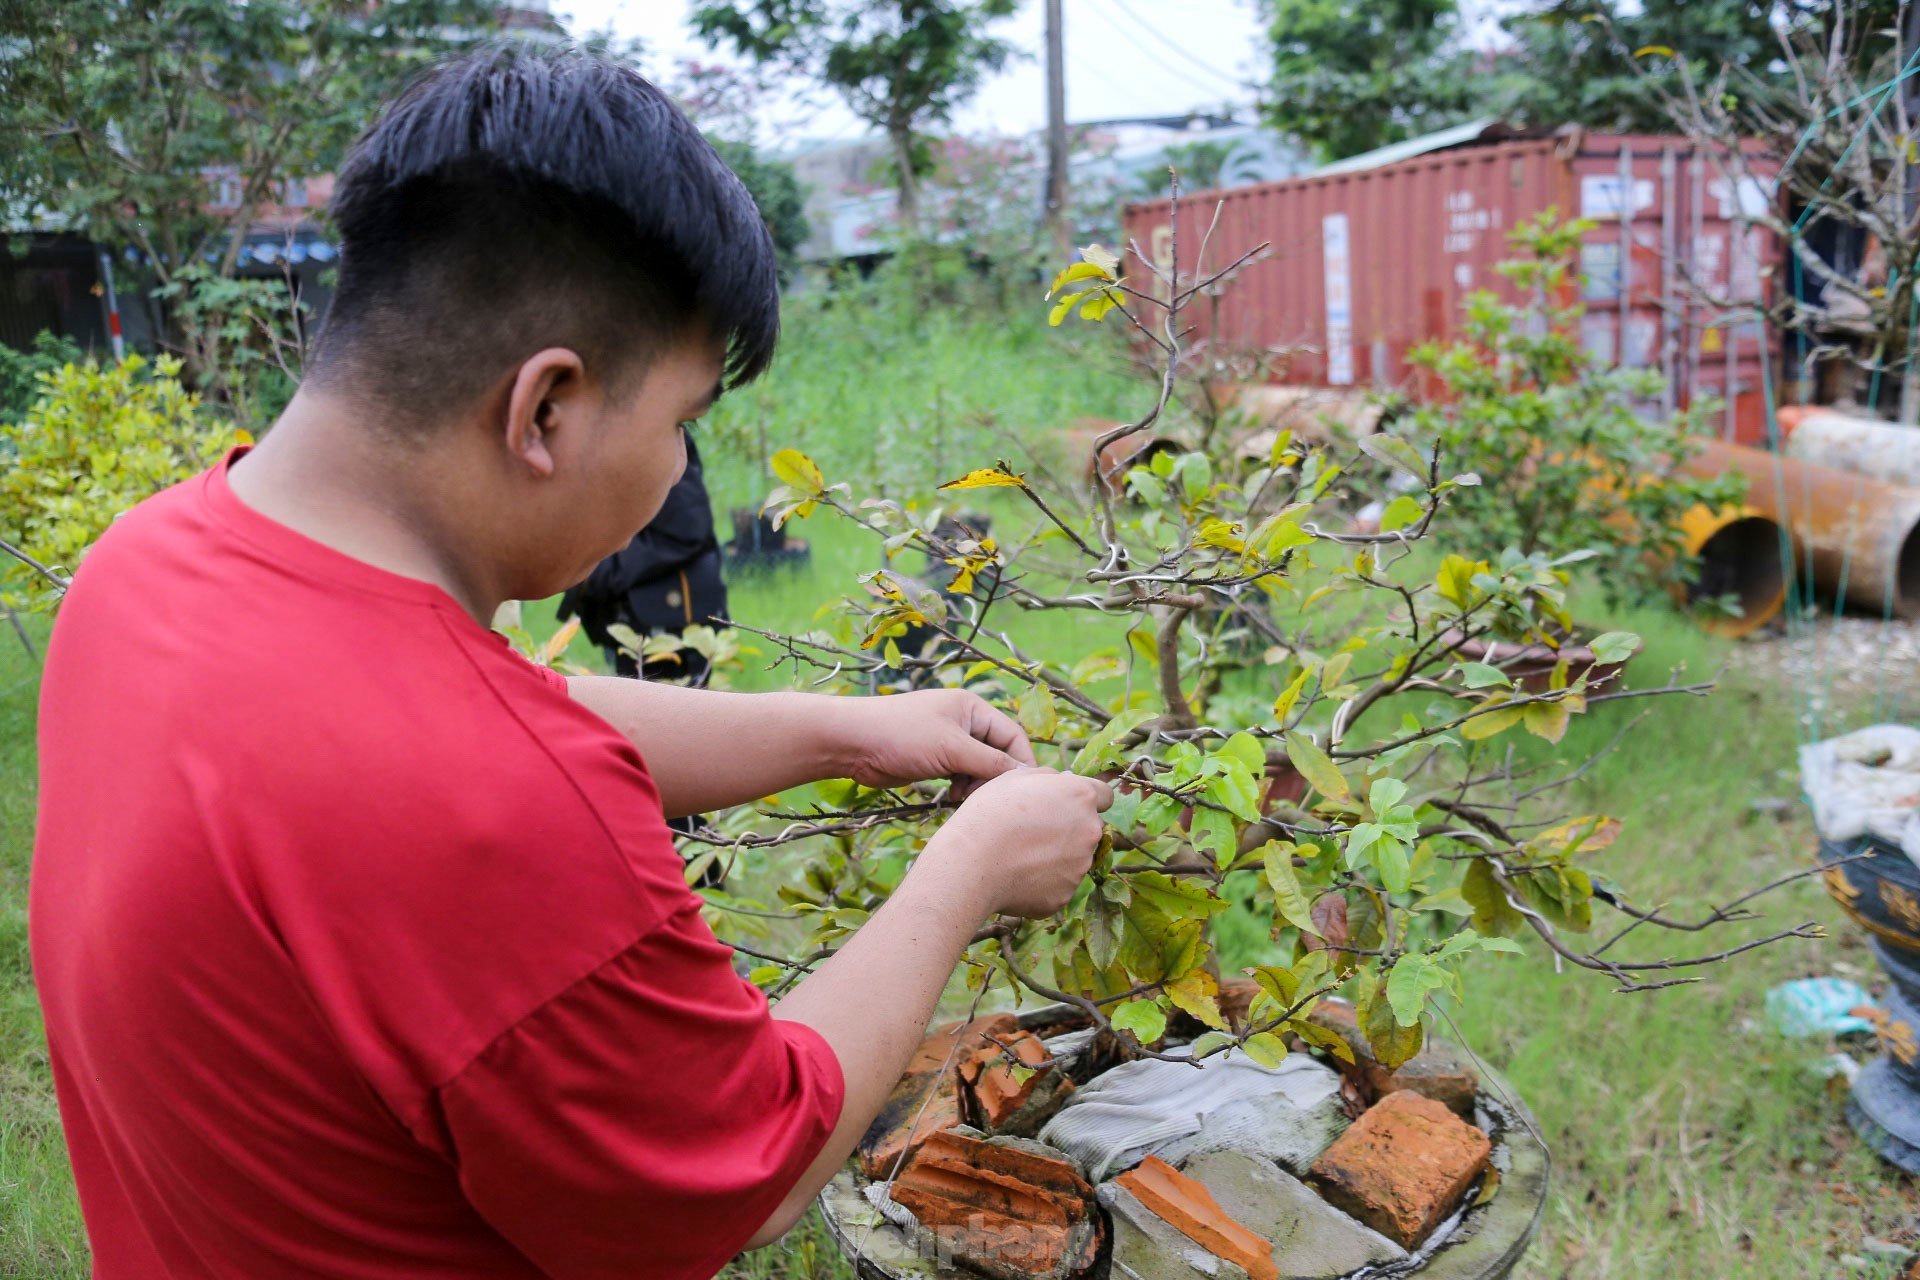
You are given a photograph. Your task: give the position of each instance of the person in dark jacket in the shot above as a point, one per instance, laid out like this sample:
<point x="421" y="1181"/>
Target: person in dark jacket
<point x="664" y="581"/>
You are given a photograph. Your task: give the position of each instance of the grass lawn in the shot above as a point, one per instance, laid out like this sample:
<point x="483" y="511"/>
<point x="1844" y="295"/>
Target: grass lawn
<point x="1690" y="1140"/>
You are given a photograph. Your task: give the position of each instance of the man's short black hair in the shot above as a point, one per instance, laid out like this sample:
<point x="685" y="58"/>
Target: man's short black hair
<point x="520" y="198"/>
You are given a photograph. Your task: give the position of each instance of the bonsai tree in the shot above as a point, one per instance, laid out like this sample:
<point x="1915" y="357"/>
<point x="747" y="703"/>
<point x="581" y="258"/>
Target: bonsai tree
<point x="1282" y="704"/>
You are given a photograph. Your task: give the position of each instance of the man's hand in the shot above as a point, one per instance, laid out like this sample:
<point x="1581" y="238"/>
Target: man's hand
<point x="933" y="733"/>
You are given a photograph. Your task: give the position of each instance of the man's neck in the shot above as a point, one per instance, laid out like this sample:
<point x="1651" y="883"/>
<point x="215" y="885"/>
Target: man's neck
<point x="321" y="472"/>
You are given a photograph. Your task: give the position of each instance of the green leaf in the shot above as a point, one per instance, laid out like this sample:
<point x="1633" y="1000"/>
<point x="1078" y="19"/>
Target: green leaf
<point x="1385" y="794"/>
<point x="1390" y="862"/>
<point x="1175" y="898"/>
<point x="1038" y="716"/>
<point x="1267" y="1049"/>
<point x="1493" y="915"/>
<point x="1451" y="901"/>
<point x="1316" y="766"/>
<point x="1245" y="748"/>
<point x="1413" y="979"/>
<point x="1478" y="675"/>
<point x="1322" y="1038"/>
<point x="1102" y="748"/>
<point x="1395" y="452"/>
<point x="1289" y="899"/>
<point x="1213" y="832"/>
<point x="1614" y="646"/>
<point x="1402" y="511"/>
<point x="1145" y="1019"/>
<point x="1212" y="1042"/>
<point x="1238" y="790"/>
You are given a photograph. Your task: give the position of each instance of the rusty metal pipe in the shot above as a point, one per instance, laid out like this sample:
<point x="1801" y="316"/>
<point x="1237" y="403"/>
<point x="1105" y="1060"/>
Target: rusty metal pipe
<point x="1857" y="534"/>
<point x="1739" y="554"/>
<point x="1864" y="446"/>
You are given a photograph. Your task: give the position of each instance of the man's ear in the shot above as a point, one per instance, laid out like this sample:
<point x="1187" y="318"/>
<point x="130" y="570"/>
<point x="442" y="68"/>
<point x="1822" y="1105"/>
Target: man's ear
<point x="545" y="390"/>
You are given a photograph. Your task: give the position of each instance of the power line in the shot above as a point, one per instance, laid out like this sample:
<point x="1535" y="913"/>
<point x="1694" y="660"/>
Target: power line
<point x="1203" y="65"/>
<point x="1133" y="40"/>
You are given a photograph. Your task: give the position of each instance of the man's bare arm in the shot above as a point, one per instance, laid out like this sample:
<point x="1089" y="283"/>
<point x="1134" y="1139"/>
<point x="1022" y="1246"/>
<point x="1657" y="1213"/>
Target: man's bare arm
<point x="708" y="749"/>
<point x="1018" y="846"/>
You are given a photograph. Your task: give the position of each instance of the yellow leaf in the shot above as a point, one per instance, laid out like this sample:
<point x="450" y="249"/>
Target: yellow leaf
<point x="1315" y="766"/>
<point x="1660" y="49"/>
<point x="1215" y="532"/>
<point x="1489" y="723"/>
<point x="986" y="478"/>
<point x="1196" y="994"/>
<point x="797" y="469"/>
<point x="1078" y="271"/>
<point x="557" y="642"/>
<point x="1283" y="705"/>
<point x="1105" y="259"/>
<point x="1455" y="579"/>
<point x="1547" y="720"/>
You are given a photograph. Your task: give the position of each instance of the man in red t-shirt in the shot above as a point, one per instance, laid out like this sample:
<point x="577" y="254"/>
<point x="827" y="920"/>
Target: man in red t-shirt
<point x="363" y="947"/>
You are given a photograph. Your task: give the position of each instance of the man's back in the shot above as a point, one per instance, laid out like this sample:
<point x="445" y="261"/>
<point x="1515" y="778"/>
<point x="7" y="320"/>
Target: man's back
<point x="364" y="950"/>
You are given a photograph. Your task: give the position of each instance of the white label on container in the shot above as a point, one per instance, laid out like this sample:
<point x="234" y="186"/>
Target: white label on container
<point x="1600" y="195"/>
<point x="1339" y="290"/>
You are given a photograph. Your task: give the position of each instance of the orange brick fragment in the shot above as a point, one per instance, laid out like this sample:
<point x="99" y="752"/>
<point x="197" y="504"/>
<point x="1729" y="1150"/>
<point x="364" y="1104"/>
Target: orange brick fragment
<point x="1190" y="1208"/>
<point x="1403" y="1166"/>
<point x="1006" y="1210"/>
<point x="930" y="1079"/>
<point x="1013" y="1084"/>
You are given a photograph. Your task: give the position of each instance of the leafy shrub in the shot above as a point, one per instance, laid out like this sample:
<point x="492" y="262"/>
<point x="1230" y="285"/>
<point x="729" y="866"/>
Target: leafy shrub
<point x="21" y="372"/>
<point x="1567" y="457"/>
<point x="100" y="439"/>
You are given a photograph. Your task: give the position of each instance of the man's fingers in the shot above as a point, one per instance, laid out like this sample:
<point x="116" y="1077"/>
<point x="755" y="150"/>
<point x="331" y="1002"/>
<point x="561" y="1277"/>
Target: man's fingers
<point x="1103" y="794"/>
<point x="975" y="759"/>
<point x="998" y="729"/>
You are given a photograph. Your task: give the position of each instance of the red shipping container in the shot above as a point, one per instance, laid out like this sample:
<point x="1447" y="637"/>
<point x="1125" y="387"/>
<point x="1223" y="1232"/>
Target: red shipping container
<point x="1367" y="263"/>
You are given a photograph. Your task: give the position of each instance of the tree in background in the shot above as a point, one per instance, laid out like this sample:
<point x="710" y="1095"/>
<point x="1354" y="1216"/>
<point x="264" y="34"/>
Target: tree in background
<point x="724" y="102"/>
<point x="168" y="126"/>
<point x="901" y="66"/>
<point x="1565" y="65"/>
<point x="1351" y="77"/>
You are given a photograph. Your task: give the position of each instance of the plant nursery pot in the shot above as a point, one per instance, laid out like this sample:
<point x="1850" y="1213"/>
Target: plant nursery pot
<point x="1530" y="666"/>
<point x="1881" y="893"/>
<point x="1244" y="1196"/>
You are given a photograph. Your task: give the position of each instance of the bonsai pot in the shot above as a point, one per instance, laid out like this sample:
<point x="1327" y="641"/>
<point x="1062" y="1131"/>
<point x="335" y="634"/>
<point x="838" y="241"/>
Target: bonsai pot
<point x="1881" y="892"/>
<point x="1229" y="1198"/>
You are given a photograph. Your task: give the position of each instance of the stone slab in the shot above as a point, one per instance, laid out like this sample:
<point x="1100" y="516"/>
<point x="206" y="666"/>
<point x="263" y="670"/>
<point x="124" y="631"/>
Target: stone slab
<point x="1311" y="1239"/>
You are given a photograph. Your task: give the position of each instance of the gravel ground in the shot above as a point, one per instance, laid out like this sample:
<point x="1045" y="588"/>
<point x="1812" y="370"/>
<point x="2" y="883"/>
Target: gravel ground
<point x="1852" y="665"/>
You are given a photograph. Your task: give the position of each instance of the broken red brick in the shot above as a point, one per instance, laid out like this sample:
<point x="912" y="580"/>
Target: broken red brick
<point x="1190" y="1209"/>
<point x="1439" y="1071"/>
<point x="1012" y="1085"/>
<point x="910" y="1115"/>
<point x="1006" y="1210"/>
<point x="1402" y="1167"/>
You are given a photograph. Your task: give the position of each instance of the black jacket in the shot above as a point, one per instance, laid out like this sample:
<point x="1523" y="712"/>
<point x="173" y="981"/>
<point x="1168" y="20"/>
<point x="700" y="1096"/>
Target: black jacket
<point x="666" y="579"/>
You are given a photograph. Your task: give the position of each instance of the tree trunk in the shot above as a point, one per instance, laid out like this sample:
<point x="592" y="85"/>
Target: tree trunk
<point x="900" y="134"/>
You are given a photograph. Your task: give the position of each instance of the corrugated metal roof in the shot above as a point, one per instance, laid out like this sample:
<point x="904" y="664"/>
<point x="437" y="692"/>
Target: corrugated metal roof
<point x="1458" y="136"/>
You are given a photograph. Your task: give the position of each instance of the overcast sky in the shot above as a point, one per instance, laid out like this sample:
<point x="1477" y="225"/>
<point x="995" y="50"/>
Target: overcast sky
<point x="1124" y="58"/>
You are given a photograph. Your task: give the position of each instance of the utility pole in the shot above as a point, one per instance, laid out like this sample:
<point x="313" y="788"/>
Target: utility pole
<point x="1057" y="133"/>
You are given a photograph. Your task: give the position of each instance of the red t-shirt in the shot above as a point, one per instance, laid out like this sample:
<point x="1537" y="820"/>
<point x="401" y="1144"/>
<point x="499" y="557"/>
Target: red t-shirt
<point x="364" y="949"/>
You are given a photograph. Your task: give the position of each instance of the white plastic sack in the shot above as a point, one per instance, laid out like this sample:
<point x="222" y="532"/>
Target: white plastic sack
<point x="1149" y="1107"/>
<point x="1866" y="783"/>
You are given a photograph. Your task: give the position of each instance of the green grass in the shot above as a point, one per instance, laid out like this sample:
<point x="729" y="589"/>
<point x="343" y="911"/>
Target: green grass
<point x="1690" y="1141"/>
